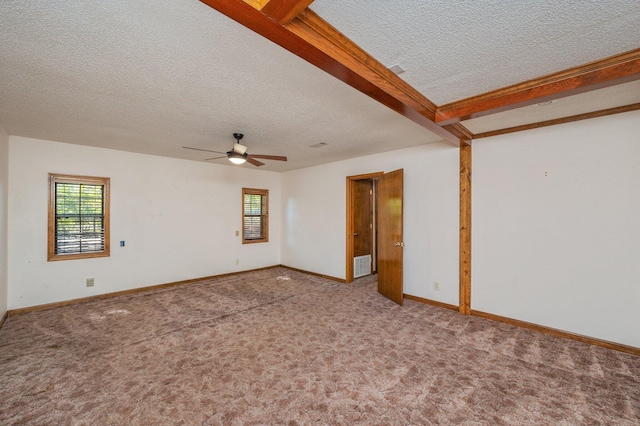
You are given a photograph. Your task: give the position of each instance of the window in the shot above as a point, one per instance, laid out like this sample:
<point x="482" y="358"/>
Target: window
<point x="255" y="215"/>
<point x="78" y="217"/>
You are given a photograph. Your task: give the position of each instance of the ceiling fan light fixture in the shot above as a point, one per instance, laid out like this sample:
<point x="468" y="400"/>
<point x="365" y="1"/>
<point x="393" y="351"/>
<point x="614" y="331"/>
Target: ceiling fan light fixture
<point x="236" y="158"/>
<point x="239" y="155"/>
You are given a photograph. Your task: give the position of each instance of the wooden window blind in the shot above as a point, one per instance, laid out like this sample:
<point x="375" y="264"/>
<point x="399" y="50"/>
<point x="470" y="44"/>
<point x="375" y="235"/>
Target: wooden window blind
<point x="255" y="215"/>
<point x="78" y="217"/>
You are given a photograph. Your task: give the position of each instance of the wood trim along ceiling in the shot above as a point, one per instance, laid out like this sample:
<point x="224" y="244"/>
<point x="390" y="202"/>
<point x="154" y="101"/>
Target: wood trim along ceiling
<point x="585" y="116"/>
<point x="311" y="38"/>
<point x="284" y="11"/>
<point x="606" y="72"/>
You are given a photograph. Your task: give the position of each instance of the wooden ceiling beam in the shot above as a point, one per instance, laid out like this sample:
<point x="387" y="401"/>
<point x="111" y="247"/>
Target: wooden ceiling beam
<point x="314" y="40"/>
<point x="256" y="4"/>
<point x="460" y="132"/>
<point x="284" y="11"/>
<point x="607" y="72"/>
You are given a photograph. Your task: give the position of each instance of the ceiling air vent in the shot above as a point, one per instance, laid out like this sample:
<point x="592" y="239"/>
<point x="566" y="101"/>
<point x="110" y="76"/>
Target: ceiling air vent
<point x="396" y="69"/>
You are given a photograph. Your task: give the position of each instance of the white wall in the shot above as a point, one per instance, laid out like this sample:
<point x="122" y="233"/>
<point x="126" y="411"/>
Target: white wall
<point x="556" y="227"/>
<point x="178" y="219"/>
<point x="4" y="183"/>
<point x="314" y="217"/>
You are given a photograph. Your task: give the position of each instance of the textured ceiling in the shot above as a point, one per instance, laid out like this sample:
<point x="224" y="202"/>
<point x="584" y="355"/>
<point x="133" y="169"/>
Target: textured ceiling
<point x="152" y="76"/>
<point x="454" y="49"/>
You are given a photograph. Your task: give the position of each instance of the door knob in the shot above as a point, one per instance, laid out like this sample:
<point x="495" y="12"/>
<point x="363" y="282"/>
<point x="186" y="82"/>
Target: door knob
<point x="399" y="244"/>
<point x="355" y="234"/>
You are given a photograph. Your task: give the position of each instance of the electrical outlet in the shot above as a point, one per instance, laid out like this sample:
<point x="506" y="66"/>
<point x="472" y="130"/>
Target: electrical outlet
<point x="237" y="233"/>
<point x="436" y="285"/>
<point x="89" y="282"/>
<point x="237" y="261"/>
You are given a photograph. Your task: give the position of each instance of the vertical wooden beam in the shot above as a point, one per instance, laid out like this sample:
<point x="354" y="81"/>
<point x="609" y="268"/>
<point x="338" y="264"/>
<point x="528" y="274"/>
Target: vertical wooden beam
<point x="465" y="227"/>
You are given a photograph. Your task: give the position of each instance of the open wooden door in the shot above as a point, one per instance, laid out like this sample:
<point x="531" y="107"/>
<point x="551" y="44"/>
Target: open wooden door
<point x="390" y="244"/>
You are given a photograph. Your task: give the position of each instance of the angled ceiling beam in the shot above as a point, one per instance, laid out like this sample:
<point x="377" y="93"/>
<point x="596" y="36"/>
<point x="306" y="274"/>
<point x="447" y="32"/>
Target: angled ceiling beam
<point x="314" y="40"/>
<point x="284" y="11"/>
<point x="607" y="72"/>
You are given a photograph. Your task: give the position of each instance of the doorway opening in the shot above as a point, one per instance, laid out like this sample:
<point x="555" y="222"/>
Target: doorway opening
<point x="361" y="225"/>
<point x="375" y="230"/>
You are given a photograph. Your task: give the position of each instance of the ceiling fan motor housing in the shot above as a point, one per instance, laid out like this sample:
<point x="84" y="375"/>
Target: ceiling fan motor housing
<point x="236" y="154"/>
<point x="240" y="149"/>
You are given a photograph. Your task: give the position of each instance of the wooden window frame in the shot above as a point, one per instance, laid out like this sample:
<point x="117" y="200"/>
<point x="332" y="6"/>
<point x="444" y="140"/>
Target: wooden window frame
<point x="86" y="180"/>
<point x="264" y="214"/>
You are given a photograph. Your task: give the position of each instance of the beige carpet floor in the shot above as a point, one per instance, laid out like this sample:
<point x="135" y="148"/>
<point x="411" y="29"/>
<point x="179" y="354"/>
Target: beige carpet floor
<point x="278" y="347"/>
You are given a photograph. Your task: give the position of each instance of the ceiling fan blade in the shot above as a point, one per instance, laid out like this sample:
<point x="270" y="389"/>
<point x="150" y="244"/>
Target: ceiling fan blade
<point x="269" y="157"/>
<point x="206" y="150"/>
<point x="214" y="158"/>
<point x="254" y="162"/>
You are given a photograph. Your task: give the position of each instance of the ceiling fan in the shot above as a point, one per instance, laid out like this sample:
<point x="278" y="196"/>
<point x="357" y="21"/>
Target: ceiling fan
<point x="238" y="154"/>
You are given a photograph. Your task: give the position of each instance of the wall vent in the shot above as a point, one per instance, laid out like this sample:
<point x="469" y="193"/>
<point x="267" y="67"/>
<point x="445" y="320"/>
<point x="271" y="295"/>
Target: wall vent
<point x="361" y="266"/>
